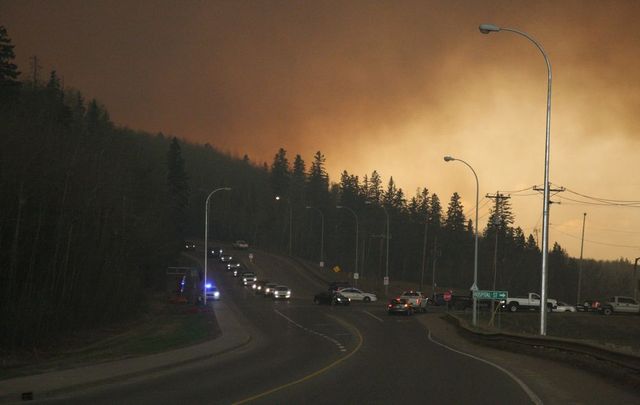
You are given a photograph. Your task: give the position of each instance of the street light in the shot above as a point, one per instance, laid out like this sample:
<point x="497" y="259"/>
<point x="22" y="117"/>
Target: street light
<point x="290" y="221"/>
<point x="635" y="279"/>
<point x="321" y="234"/>
<point x="356" y="217"/>
<point x="206" y="239"/>
<point x="386" y="273"/>
<point x="474" y="287"/>
<point x="487" y="29"/>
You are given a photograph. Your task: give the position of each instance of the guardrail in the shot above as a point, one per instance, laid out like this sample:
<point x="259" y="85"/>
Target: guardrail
<point x="623" y="367"/>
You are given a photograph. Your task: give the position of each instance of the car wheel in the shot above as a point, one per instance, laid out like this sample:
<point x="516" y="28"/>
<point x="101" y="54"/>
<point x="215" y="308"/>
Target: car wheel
<point x="366" y="299"/>
<point x="513" y="307"/>
<point x="607" y="311"/>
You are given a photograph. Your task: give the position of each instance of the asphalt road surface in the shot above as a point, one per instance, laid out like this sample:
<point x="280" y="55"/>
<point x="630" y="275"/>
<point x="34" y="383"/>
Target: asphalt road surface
<point x="302" y="353"/>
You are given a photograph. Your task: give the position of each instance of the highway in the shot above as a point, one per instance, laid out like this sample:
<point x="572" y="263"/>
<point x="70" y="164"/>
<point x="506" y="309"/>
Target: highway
<point x="302" y="353"/>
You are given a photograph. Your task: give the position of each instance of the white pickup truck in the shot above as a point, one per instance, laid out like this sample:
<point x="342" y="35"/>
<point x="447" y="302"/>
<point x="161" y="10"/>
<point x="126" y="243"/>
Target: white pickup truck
<point x="619" y="304"/>
<point x="529" y="303"/>
<point x="417" y="300"/>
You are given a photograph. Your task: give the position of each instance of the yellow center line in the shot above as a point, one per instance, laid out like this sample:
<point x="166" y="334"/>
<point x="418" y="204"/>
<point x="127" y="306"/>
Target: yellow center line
<point x="315" y="373"/>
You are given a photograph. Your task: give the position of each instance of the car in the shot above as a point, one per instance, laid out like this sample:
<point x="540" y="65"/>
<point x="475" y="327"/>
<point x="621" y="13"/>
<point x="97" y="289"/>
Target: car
<point x="248" y="278"/>
<point x="258" y="286"/>
<point x="212" y="292"/>
<point x="189" y="245"/>
<point x="237" y="271"/>
<point x="214" y="252"/>
<point x="268" y="289"/>
<point x="417" y="300"/>
<point x="226" y="258"/>
<point x="329" y="298"/>
<point x="400" y="306"/>
<point x="281" y="292"/>
<point x="240" y="244"/>
<point x="357" y="295"/>
<point x="619" y="304"/>
<point x="588" y="306"/>
<point x="564" y="307"/>
<point x="233" y="265"/>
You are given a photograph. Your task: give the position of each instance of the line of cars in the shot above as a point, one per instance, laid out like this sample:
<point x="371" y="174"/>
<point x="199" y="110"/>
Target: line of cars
<point x="249" y="278"/>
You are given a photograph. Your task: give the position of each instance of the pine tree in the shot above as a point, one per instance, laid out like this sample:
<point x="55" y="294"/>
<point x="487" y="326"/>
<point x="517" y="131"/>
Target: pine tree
<point x="280" y="174"/>
<point x="177" y="188"/>
<point x="374" y="192"/>
<point x="298" y="180"/>
<point x="318" y="181"/>
<point x="455" y="221"/>
<point x="8" y="70"/>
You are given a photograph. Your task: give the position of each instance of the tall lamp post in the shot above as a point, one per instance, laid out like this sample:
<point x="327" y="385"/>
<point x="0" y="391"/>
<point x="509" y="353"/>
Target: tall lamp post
<point x="474" y="287"/>
<point x="206" y="240"/>
<point x="386" y="272"/>
<point x="321" y="234"/>
<point x="356" y="217"/>
<point x="487" y="29"/>
<point x="635" y="279"/>
<point x="578" y="300"/>
<point x="290" y="222"/>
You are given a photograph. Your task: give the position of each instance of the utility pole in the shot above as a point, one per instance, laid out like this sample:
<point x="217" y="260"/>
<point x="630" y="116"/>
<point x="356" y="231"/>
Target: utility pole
<point x="434" y="259"/>
<point x="424" y="251"/>
<point x="497" y="221"/>
<point x="584" y="218"/>
<point x="35" y="69"/>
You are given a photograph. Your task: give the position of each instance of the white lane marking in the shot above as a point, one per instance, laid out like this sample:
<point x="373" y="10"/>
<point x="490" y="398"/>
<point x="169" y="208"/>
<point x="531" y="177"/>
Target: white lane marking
<point x="373" y="316"/>
<point x="532" y="395"/>
<point x="329" y="338"/>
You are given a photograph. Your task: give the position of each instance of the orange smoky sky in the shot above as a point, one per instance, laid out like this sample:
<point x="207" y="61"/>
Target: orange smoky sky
<point x="391" y="86"/>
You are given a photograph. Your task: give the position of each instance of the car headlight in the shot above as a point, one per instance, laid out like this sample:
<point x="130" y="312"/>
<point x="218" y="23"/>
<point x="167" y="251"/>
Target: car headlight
<point x="216" y="294"/>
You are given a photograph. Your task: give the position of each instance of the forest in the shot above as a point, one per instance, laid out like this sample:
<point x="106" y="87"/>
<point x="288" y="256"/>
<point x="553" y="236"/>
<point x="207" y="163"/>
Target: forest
<point x="92" y="213"/>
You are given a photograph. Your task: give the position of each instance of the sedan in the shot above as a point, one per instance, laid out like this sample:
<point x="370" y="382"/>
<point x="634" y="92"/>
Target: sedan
<point x="233" y="265"/>
<point x="226" y="258"/>
<point x="212" y="292"/>
<point x="269" y="288"/>
<point x="258" y="286"/>
<point x="564" y="307"/>
<point x="189" y="245"/>
<point x="358" y="295"/>
<point x="214" y="252"/>
<point x="328" y="298"/>
<point x="281" y="292"/>
<point x="399" y="306"/>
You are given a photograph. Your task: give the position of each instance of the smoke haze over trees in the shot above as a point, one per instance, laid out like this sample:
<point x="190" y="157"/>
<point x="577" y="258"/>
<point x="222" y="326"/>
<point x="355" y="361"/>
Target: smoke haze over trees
<point x="91" y="215"/>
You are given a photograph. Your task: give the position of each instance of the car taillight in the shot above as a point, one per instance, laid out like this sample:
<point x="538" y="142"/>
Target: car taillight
<point x="390" y="305"/>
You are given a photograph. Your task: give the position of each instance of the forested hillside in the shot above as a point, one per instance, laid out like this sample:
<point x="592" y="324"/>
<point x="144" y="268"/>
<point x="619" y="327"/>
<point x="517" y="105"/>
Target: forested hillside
<point x="91" y="214"/>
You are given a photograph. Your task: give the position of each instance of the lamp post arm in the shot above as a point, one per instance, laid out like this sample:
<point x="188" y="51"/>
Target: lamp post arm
<point x="206" y="240"/>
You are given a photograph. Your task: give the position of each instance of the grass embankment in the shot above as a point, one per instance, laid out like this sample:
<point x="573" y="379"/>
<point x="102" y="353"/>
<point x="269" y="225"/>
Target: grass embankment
<point x="163" y="327"/>
<point x="617" y="332"/>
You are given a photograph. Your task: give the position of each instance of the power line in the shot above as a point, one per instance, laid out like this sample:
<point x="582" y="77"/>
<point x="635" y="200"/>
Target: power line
<point x="597" y="242"/>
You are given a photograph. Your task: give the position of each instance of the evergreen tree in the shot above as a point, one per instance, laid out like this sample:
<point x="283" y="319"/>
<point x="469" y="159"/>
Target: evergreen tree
<point x="8" y="70"/>
<point x="177" y="188"/>
<point x="374" y="191"/>
<point x="298" y="180"/>
<point x="435" y="213"/>
<point x="318" y="181"/>
<point x="455" y="221"/>
<point x="280" y="174"/>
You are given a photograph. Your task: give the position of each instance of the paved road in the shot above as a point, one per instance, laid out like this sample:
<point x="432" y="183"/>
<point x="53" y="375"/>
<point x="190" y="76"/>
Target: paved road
<point x="304" y="353"/>
<point x="307" y="354"/>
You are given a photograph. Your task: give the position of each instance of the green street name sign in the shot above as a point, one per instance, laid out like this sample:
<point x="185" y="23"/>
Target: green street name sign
<point x="490" y="295"/>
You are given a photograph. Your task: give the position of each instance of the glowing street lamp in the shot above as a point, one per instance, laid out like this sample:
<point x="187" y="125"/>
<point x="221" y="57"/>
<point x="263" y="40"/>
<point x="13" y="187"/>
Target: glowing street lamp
<point x="474" y="287"/>
<point x="487" y="29"/>
<point x="206" y="239"/>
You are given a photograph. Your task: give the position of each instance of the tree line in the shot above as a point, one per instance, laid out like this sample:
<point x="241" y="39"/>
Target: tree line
<point x="91" y="214"/>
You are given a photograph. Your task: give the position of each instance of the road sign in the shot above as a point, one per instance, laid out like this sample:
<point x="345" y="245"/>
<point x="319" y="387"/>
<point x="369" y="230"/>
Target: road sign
<point x="446" y="296"/>
<point x="490" y="295"/>
<point x="386" y="281"/>
<point x="356" y="276"/>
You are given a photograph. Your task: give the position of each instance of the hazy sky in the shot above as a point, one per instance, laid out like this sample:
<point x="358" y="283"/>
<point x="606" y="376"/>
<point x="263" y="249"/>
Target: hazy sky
<point x="385" y="85"/>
